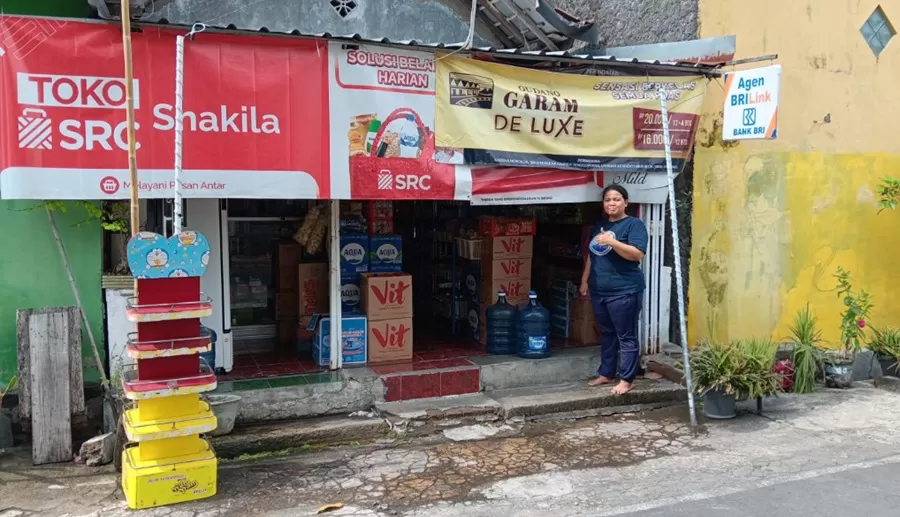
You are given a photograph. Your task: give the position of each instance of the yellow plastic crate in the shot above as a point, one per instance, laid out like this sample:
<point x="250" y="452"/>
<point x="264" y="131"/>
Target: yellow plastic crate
<point x="141" y="429"/>
<point x="169" y="448"/>
<point x="169" y="407"/>
<point x="179" y="479"/>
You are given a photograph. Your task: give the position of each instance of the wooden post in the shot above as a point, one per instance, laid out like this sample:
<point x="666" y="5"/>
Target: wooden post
<point x="129" y="121"/>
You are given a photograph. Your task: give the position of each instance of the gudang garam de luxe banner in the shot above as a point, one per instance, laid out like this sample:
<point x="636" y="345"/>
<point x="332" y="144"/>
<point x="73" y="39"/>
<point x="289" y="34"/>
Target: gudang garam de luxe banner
<point x="490" y="114"/>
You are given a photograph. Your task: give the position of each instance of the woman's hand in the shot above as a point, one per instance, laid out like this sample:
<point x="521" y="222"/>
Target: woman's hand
<point x="583" y="289"/>
<point x="605" y="239"/>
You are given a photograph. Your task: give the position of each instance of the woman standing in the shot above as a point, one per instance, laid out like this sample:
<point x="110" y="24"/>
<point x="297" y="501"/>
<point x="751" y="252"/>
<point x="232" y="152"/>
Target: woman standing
<point x="612" y="277"/>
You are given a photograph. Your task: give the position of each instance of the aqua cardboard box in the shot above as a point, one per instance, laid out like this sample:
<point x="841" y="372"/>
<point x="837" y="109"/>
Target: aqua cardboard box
<point x="354" y="335"/>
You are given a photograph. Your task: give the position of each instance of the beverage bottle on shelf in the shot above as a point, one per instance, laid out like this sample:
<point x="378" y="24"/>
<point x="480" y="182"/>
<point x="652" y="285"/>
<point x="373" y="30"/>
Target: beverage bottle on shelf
<point x="533" y="329"/>
<point x="409" y="138"/>
<point x="374" y="126"/>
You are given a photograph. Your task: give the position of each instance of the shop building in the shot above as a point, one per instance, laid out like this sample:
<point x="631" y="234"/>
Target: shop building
<point x="264" y="151"/>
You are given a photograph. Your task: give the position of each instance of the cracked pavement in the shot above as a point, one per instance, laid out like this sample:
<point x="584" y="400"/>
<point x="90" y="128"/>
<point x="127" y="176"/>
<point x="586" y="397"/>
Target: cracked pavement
<point x="618" y="465"/>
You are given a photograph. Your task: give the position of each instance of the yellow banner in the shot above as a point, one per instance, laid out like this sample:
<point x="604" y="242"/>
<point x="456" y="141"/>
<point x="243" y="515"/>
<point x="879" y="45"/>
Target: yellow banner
<point x="490" y="114"/>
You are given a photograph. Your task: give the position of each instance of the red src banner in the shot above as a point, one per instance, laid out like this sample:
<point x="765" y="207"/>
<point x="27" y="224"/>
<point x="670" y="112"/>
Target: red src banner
<point x="255" y="113"/>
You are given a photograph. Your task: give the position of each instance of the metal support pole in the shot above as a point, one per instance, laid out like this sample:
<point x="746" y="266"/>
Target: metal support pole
<point x="334" y="252"/>
<point x="679" y="283"/>
<point x="178" y="205"/>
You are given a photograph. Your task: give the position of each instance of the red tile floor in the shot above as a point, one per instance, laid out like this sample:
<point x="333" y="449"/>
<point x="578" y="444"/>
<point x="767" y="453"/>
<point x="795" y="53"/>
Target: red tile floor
<point x="439" y="367"/>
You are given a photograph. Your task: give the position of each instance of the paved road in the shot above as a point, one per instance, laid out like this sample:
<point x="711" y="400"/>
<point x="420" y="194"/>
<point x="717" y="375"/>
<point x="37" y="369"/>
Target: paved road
<point x="828" y="454"/>
<point x="867" y="491"/>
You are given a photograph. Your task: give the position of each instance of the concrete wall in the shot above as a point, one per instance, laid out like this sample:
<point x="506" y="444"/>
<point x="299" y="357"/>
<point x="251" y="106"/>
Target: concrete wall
<point x="32" y="274"/>
<point x="774" y="219"/>
<point x="637" y="22"/>
<point x="423" y="20"/>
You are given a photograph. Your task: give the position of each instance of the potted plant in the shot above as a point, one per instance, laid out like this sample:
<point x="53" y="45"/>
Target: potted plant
<point x="857" y="305"/>
<point x="806" y="355"/>
<point x="725" y="373"/>
<point x="885" y="345"/>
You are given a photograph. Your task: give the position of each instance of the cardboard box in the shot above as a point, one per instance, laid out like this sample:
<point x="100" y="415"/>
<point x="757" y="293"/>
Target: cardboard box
<point x="286" y="279"/>
<point x="286" y="306"/>
<point x="475" y="315"/>
<point x="497" y="248"/>
<point x="286" y="331"/>
<point x="351" y="293"/>
<point x="385" y="254"/>
<point x="354" y="334"/>
<point x="585" y="332"/>
<point x="313" y="289"/>
<point x="506" y="269"/>
<point x="471" y="283"/>
<point x="354" y="253"/>
<point x="516" y="291"/>
<point x="386" y="296"/>
<point x="288" y="254"/>
<point x="390" y="341"/>
<point x="581" y="309"/>
<point x="381" y="226"/>
<point x="506" y="226"/>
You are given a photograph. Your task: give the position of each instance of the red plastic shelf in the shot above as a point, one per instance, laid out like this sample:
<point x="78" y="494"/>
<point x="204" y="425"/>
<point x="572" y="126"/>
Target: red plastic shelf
<point x="136" y="389"/>
<point x="168" y="311"/>
<point x="167" y="347"/>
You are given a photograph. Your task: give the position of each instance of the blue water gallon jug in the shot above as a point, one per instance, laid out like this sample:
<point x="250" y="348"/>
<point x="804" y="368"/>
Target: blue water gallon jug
<point x="533" y="329"/>
<point x="500" y="321"/>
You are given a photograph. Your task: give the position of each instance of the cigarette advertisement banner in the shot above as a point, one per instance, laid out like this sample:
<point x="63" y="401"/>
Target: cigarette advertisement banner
<point x="255" y="114"/>
<point x="532" y="185"/>
<point x="382" y="127"/>
<point x="490" y="114"/>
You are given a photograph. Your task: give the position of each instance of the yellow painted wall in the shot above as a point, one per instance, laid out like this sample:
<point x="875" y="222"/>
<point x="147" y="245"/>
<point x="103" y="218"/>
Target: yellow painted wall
<point x="774" y="219"/>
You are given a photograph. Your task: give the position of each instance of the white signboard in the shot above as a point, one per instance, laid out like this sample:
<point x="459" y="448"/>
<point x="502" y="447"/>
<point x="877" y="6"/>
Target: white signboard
<point x="751" y="104"/>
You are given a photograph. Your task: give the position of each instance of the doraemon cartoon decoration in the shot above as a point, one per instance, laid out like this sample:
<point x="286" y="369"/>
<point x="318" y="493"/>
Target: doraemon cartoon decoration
<point x="151" y="255"/>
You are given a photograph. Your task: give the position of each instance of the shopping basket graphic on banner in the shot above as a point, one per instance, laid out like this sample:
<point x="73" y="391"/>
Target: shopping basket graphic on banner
<point x="35" y="130"/>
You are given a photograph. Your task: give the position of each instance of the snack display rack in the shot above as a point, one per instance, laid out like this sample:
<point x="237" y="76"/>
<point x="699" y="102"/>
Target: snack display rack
<point x="166" y="460"/>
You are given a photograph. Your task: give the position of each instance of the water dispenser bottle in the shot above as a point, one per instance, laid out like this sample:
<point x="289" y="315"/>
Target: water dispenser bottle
<point x="501" y="326"/>
<point x="533" y="329"/>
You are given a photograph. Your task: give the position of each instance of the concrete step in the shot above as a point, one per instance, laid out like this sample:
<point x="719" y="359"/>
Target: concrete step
<point x="500" y="372"/>
<point x="580" y="400"/>
<point x="295" y="436"/>
<point x="571" y="399"/>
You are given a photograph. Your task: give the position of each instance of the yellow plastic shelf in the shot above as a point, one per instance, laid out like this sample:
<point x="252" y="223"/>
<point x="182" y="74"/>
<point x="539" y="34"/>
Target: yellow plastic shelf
<point x="169" y="447"/>
<point x="139" y="429"/>
<point x="161" y="482"/>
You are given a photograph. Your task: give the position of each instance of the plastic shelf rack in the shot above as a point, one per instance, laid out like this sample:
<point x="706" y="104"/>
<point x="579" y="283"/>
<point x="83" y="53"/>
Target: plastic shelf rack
<point x="167" y="461"/>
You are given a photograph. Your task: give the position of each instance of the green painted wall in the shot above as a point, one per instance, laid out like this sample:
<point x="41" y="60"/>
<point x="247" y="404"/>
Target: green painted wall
<point x="62" y="8"/>
<point x="32" y="274"/>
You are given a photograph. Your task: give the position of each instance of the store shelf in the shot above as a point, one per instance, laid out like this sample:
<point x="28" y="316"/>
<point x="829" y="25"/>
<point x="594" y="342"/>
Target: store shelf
<point x="141" y="430"/>
<point x="137" y="313"/>
<point x="136" y="389"/>
<point x="167" y="347"/>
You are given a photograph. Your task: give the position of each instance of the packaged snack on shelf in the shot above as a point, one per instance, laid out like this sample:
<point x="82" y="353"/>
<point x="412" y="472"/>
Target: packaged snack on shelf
<point x="506" y="226"/>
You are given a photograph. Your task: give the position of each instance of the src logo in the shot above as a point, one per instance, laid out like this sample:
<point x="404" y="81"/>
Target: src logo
<point x="387" y="180"/>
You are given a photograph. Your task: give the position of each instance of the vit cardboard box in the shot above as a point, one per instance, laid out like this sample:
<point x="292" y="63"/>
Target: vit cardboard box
<point x="506" y="269"/>
<point x="386" y="296"/>
<point x="313" y="289"/>
<point x="354" y="253"/>
<point x="353" y="340"/>
<point x="516" y="291"/>
<point x="497" y="248"/>
<point x="386" y="253"/>
<point x="390" y="341"/>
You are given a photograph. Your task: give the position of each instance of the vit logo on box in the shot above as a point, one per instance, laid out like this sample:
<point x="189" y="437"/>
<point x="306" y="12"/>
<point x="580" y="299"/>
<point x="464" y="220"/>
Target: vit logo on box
<point x="512" y="267"/>
<point x="394" y="294"/>
<point x="513" y="245"/>
<point x="390" y="335"/>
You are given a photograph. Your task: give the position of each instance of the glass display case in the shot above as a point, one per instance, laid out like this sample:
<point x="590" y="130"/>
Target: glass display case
<point x="252" y="283"/>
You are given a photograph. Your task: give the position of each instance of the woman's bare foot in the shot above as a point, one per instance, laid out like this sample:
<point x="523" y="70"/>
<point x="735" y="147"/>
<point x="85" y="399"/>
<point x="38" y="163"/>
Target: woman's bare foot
<point x="622" y="388"/>
<point x="600" y="381"/>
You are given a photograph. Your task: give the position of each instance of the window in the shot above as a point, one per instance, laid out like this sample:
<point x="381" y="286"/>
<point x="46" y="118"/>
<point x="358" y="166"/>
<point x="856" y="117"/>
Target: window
<point x="343" y="7"/>
<point x="877" y="31"/>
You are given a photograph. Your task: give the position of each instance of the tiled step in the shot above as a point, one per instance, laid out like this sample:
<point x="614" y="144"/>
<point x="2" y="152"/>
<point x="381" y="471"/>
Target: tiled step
<point x="429" y="383"/>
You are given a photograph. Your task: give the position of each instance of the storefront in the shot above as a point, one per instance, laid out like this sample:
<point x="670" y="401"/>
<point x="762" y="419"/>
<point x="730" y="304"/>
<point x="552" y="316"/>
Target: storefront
<point x="295" y="147"/>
